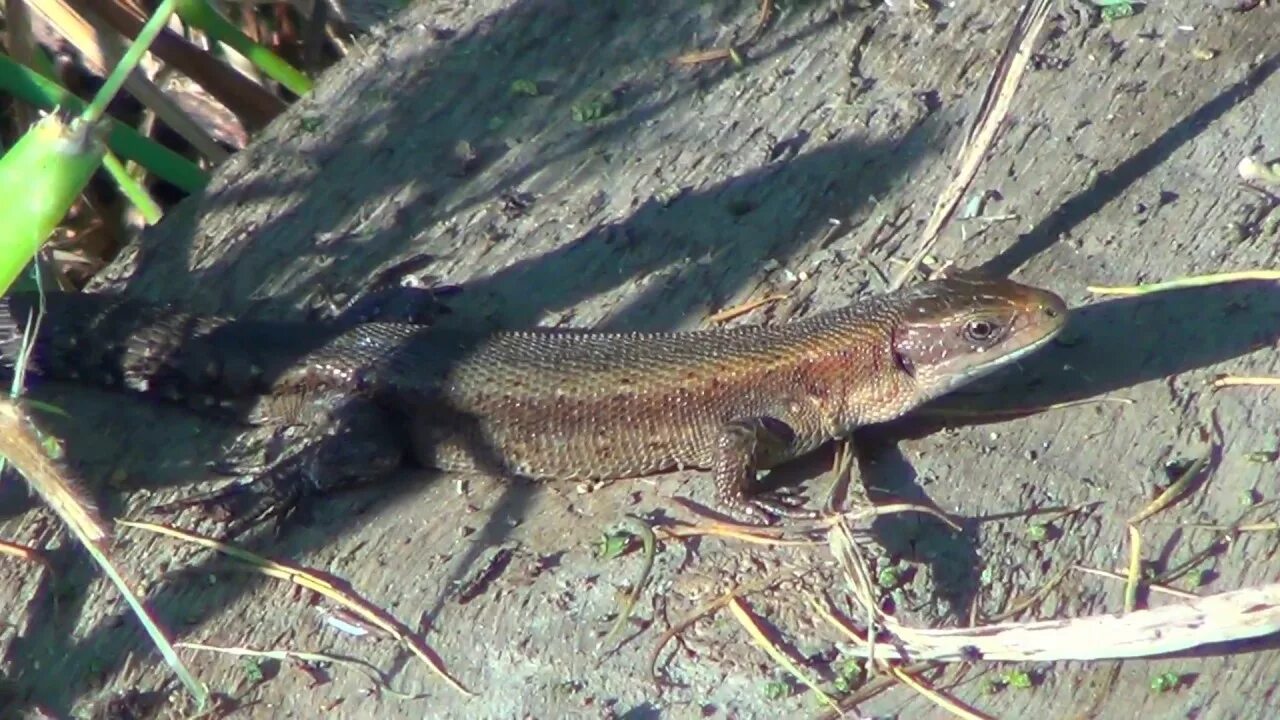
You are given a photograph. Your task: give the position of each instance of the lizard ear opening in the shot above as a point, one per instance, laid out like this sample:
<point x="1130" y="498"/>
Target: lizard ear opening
<point x="904" y="363"/>
<point x="901" y="346"/>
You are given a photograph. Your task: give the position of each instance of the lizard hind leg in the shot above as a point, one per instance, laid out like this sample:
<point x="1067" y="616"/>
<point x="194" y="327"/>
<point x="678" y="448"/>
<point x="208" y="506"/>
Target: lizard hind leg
<point x="254" y="452"/>
<point x="740" y="448"/>
<point x="359" y="446"/>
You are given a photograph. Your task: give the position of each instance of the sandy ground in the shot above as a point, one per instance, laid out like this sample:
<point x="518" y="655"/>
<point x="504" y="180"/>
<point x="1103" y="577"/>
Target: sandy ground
<point x="801" y="173"/>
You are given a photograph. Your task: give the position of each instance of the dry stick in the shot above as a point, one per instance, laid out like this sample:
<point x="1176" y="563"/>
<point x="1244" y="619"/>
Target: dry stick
<point x="687" y="531"/>
<point x="762" y="21"/>
<point x="298" y="575"/>
<point x="1178" y="571"/>
<point x="1020" y="604"/>
<point x="994" y="108"/>
<point x="1222" y="544"/>
<point x="761" y="638"/>
<point x="706" y="609"/>
<point x="1238" y="380"/>
<point x="695" y="57"/>
<point x="874" y="687"/>
<point x="1175" y="489"/>
<point x="946" y="703"/>
<point x="769" y="536"/>
<point x="890" y="509"/>
<point x="1259" y="527"/>
<point x="1267" y="526"/>
<point x="1124" y="575"/>
<point x="22" y="552"/>
<point x="1133" y="573"/>
<point x="1224" y="617"/>
<point x="735" y="311"/>
<point x="725" y="528"/>
<point x="906" y="677"/>
<point x="758" y="536"/>
<point x="364" y="668"/>
<point x="1187" y="282"/>
<point x="854" y="567"/>
<point x="100" y="49"/>
<point x="1233" y="529"/>
<point x="1166" y="498"/>
<point x="841" y="474"/>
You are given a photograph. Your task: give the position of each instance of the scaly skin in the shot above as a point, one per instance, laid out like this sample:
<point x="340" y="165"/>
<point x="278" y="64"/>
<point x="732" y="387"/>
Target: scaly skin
<point x="555" y="404"/>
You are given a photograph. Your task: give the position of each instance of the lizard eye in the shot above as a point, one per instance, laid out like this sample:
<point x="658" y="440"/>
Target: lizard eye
<point x="979" y="331"/>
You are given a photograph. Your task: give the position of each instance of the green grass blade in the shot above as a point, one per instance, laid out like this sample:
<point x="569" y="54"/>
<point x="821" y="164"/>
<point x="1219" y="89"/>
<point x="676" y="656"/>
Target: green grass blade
<point x="147" y="35"/>
<point x="132" y="189"/>
<point x="161" y="641"/>
<point x="40" y="177"/>
<point x="202" y="15"/>
<point x="30" y="87"/>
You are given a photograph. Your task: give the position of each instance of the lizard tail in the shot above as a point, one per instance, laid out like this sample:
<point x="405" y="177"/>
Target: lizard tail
<point x="81" y="334"/>
<point x="14" y="319"/>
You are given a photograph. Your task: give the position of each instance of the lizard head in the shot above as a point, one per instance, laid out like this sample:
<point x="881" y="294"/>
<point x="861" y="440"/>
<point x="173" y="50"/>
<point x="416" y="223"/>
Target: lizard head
<point x="954" y="330"/>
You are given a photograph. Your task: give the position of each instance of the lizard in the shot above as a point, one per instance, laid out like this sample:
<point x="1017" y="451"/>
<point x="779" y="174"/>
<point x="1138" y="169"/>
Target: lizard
<point x="545" y="403"/>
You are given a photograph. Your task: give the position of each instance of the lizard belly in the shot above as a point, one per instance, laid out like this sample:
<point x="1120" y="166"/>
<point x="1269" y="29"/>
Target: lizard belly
<point x="567" y="439"/>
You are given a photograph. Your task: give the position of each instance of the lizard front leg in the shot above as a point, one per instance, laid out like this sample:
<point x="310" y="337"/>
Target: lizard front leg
<point x="742" y="447"/>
